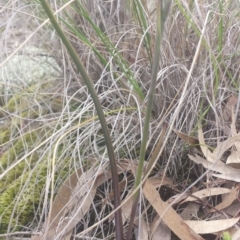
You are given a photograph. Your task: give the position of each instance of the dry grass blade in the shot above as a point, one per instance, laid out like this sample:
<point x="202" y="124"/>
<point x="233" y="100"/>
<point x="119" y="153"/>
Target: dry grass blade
<point x="60" y="203"/>
<point x="156" y="152"/>
<point x="204" y="227"/>
<point x="168" y="215"/>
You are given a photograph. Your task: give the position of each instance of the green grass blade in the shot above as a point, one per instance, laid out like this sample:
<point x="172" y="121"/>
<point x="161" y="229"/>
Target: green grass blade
<point x="161" y="17"/>
<point x="123" y="66"/>
<point x="118" y="216"/>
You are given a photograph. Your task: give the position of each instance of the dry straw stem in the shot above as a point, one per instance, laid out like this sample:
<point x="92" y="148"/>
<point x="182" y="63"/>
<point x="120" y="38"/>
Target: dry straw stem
<point x="176" y="113"/>
<point x="52" y="215"/>
<point x="199" y="87"/>
<point x="180" y="102"/>
<point x="33" y="34"/>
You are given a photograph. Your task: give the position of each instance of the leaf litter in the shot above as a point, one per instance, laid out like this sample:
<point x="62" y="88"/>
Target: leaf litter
<point x="76" y="196"/>
<point x="227" y="197"/>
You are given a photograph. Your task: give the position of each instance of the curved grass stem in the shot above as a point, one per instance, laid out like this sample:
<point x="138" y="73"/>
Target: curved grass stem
<point x="111" y="155"/>
<point x="162" y="12"/>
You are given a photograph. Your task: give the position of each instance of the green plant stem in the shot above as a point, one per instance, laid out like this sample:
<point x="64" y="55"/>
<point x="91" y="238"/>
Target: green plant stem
<point x="118" y="215"/>
<point x="162" y="11"/>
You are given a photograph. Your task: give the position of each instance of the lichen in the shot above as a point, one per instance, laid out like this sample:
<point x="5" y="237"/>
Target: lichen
<point x="26" y="69"/>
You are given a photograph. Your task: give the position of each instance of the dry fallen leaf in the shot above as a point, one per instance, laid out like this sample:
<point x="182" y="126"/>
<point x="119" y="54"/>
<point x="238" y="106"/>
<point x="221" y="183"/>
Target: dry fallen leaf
<point x="61" y="199"/>
<point x="204" y="227"/>
<point x="234" y="157"/>
<point x="155" y="181"/>
<point x="206" y="193"/>
<point x="162" y="231"/>
<point x="122" y="185"/>
<point x="236" y="235"/>
<point x="225" y="145"/>
<point x="143" y="228"/>
<point x="177" y="198"/>
<point x="168" y="215"/>
<point x="188" y="139"/>
<point x="73" y="202"/>
<point x="165" y="211"/>
<point x="126" y="208"/>
<point x="189" y="210"/>
<point x="205" y="150"/>
<point x="156" y="152"/>
<point x="160" y="181"/>
<point x="227" y="201"/>
<point x="233" y="209"/>
<point x="216" y="155"/>
<point x="234" y="129"/>
<point x="36" y="237"/>
<point x="226" y="171"/>
<point x="227" y="110"/>
<point x="227" y="176"/>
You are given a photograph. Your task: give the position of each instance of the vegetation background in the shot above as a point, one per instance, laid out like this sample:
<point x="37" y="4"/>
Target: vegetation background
<point x="52" y="146"/>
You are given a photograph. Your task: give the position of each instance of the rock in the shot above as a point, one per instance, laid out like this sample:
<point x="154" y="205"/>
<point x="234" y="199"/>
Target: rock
<point x="25" y="69"/>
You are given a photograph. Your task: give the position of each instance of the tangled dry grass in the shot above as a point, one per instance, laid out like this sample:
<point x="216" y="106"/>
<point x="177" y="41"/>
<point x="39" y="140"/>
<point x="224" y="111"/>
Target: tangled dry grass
<point x="52" y="142"/>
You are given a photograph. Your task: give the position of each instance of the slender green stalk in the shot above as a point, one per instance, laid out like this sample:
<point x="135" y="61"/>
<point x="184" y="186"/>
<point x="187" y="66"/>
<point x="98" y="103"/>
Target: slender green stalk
<point x="138" y="11"/>
<point x="220" y="32"/>
<point x="118" y="216"/>
<point x="162" y="11"/>
<point x="121" y="62"/>
<point x="220" y="46"/>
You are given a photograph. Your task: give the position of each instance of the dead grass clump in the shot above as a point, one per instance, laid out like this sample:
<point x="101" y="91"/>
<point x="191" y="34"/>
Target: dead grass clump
<point x="52" y="143"/>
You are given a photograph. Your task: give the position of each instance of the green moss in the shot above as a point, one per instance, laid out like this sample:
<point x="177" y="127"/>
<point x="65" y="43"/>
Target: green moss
<point x="17" y="149"/>
<point x="4" y="136"/>
<point x="18" y="203"/>
<point x="21" y="199"/>
<point x="12" y="104"/>
<point x="22" y="188"/>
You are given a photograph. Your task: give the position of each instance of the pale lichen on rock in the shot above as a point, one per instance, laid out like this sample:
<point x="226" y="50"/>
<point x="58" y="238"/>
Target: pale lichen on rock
<point x="26" y="69"/>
